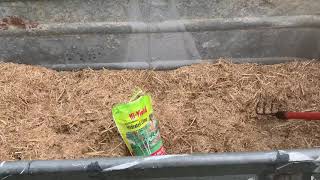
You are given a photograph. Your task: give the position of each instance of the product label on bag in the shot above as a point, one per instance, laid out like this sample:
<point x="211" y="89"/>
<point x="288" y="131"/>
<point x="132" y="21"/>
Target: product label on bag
<point x="138" y="128"/>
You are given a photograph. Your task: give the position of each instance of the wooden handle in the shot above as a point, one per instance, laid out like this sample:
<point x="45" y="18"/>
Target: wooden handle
<point x="302" y="115"/>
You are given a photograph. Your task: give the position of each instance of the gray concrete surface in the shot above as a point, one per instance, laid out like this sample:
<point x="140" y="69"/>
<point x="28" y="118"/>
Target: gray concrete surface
<point x="158" y="48"/>
<point x="105" y="10"/>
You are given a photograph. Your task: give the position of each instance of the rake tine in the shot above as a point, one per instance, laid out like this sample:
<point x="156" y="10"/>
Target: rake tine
<point x="272" y="106"/>
<point x="258" y="107"/>
<point x="264" y="107"/>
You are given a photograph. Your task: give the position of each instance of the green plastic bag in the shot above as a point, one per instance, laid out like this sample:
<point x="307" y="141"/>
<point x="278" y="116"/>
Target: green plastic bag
<point x="137" y="126"/>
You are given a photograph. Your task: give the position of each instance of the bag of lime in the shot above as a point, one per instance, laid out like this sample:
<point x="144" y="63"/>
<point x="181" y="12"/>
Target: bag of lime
<point x="138" y="127"/>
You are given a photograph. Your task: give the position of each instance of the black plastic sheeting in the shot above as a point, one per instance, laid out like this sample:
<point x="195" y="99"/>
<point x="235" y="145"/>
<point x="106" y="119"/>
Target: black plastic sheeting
<point x="262" y="165"/>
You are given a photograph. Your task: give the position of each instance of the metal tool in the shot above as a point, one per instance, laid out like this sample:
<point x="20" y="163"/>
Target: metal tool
<point x="273" y="109"/>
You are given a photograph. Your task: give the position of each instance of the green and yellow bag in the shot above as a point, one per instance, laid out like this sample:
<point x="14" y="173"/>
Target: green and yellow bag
<point x="137" y="126"/>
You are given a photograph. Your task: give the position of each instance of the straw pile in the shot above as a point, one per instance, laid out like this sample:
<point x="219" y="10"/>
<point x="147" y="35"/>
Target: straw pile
<point x="46" y="114"/>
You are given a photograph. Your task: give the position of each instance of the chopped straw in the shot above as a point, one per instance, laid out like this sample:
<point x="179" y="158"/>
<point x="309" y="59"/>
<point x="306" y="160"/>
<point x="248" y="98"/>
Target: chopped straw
<point x="46" y="114"/>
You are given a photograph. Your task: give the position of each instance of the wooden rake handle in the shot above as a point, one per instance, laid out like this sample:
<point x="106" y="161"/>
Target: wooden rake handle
<point x="298" y="115"/>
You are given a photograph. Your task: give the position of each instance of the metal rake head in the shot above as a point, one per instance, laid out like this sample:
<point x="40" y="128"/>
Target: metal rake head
<point x="267" y="106"/>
